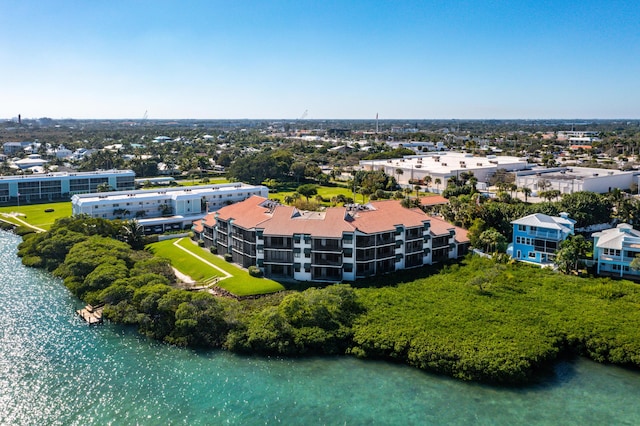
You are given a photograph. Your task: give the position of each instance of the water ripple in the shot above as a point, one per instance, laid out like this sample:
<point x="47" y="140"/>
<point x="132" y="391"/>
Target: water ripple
<point x="55" y="370"/>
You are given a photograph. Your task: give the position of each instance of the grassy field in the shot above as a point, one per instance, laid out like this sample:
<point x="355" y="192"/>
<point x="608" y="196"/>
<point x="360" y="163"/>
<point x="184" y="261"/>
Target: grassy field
<point x="240" y="283"/>
<point x="327" y="192"/>
<point x="35" y="215"/>
<point x="218" y="180"/>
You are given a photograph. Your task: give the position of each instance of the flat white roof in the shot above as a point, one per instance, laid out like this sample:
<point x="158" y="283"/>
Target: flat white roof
<point x="175" y="192"/>
<point x="445" y="162"/>
<point x="575" y="172"/>
<point x="52" y="175"/>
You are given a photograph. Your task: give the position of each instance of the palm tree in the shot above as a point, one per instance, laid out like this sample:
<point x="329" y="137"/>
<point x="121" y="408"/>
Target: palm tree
<point x="526" y="191"/>
<point x="399" y="172"/>
<point x="133" y="234"/>
<point x="407" y="191"/>
<point x="365" y="192"/>
<point x="427" y="181"/>
<point x="437" y="181"/>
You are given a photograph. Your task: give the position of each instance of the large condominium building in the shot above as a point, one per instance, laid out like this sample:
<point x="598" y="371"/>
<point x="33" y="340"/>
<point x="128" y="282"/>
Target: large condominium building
<point x="438" y="167"/>
<point x="60" y="185"/>
<point x="159" y="210"/>
<point x="340" y="243"/>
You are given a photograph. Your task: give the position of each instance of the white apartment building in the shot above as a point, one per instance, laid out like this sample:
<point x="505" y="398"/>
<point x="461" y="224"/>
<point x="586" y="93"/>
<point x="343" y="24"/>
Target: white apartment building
<point x="160" y="210"/>
<point x="58" y="186"/>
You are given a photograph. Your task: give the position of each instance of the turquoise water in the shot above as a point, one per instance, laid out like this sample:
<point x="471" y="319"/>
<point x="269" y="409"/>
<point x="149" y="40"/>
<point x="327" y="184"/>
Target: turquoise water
<point x="55" y="370"/>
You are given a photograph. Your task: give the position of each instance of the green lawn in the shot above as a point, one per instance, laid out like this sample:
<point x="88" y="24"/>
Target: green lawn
<point x="34" y="214"/>
<point x="327" y="193"/>
<point x="240" y="283"/>
<point x="218" y="180"/>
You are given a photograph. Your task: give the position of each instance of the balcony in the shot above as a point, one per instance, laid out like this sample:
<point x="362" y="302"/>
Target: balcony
<point x="546" y="234"/>
<point x="326" y="260"/>
<point x="413" y="234"/>
<point x="327" y="245"/>
<point x="385" y="252"/>
<point x="384" y="239"/>
<point x="413" y="247"/>
<point x="326" y="274"/>
<point x="278" y="243"/>
<point x="278" y="257"/>
<point x="365" y="255"/>
<point x="365" y="241"/>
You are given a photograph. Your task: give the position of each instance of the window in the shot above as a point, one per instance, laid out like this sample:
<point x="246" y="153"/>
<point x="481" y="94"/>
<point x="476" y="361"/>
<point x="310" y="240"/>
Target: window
<point x="523" y="240"/>
<point x="522" y="228"/>
<point x="532" y="255"/>
<point x="611" y="252"/>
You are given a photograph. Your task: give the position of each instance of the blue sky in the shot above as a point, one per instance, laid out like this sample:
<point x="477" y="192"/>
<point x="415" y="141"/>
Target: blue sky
<point x="336" y="59"/>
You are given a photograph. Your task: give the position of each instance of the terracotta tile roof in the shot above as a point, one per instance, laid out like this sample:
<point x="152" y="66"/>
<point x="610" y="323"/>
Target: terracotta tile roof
<point x="433" y="200"/>
<point x="377" y="216"/>
<point x="288" y="220"/>
<point x="247" y="214"/>
<point x="441" y="227"/>
<point x="209" y="220"/>
<point x="385" y="215"/>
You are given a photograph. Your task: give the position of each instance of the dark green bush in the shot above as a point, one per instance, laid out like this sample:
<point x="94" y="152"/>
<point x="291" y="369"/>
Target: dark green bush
<point x="23" y="230"/>
<point x="254" y="271"/>
<point x="213" y="249"/>
<point x="228" y="257"/>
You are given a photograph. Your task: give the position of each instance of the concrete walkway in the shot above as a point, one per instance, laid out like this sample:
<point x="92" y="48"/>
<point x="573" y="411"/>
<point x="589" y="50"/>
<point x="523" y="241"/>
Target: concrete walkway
<point x="16" y="216"/>
<point x="206" y="262"/>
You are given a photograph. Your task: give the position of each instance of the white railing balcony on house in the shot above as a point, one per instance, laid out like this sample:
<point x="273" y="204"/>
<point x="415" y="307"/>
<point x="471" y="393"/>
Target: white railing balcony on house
<point x="554" y="235"/>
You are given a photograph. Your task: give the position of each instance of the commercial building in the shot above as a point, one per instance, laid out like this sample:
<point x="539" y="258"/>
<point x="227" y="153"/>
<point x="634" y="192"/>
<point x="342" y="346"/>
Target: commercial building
<point x="159" y="210"/>
<point x="59" y="186"/>
<point x="339" y="243"/>
<point x="444" y="165"/>
<point x="574" y="179"/>
<point x="537" y="237"/>
<point x="614" y="250"/>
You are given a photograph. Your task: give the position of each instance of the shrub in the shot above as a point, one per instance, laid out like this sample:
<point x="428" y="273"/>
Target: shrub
<point x="213" y="250"/>
<point x="24" y="230"/>
<point x="200" y="243"/>
<point x="6" y="226"/>
<point x="254" y="271"/>
<point x="228" y="257"/>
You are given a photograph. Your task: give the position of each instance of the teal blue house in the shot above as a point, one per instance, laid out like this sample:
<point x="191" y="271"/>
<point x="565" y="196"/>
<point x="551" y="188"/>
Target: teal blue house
<point x="537" y="237"/>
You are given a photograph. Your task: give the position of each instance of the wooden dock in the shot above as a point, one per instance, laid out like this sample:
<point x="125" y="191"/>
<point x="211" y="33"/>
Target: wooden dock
<point x="92" y="315"/>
